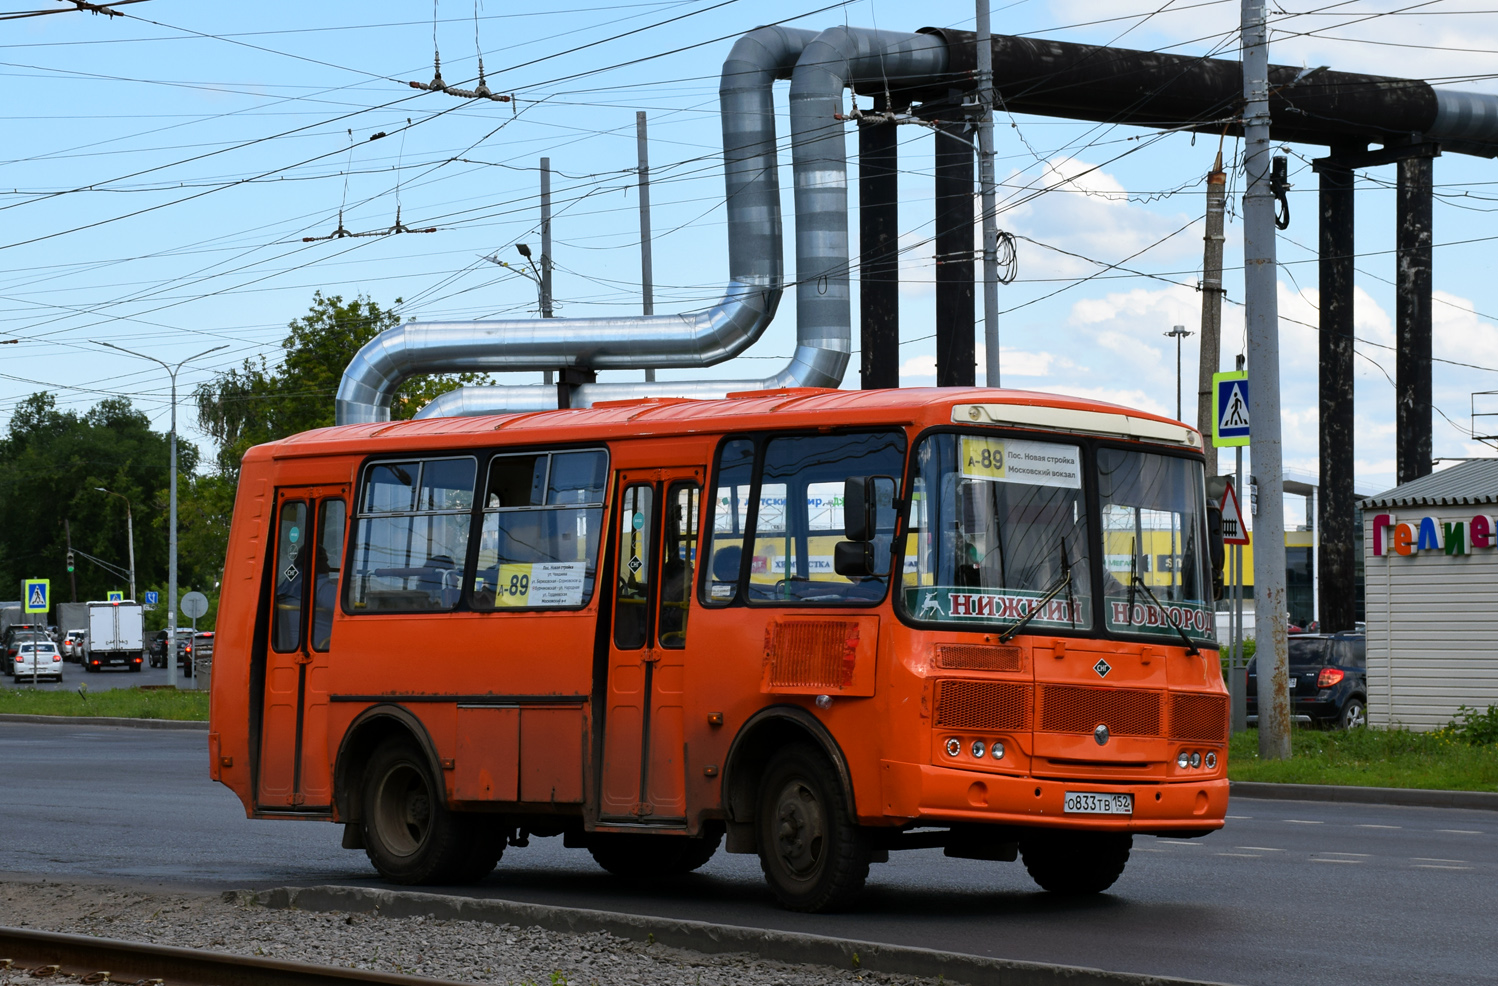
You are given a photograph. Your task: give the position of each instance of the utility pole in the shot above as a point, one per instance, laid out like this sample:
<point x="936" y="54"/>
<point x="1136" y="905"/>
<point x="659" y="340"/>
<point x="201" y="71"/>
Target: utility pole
<point x="992" y="368"/>
<point x="1260" y="273"/>
<point x="546" y="243"/>
<point x="1178" y="332"/>
<point x="1212" y="293"/>
<point x="647" y="275"/>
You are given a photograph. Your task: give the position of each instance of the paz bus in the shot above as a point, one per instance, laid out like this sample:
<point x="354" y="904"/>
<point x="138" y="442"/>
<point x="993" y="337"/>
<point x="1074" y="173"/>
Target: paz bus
<point x="815" y="625"/>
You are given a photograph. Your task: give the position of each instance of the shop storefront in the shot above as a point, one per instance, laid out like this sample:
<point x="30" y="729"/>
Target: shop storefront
<point x="1430" y="552"/>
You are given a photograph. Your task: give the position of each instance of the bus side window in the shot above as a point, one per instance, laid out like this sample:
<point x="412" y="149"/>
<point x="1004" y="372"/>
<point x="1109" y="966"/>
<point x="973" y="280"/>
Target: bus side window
<point x="678" y="561"/>
<point x="291" y="576"/>
<point x="412" y="536"/>
<point x="328" y="566"/>
<point x="725" y="544"/>
<point x="543" y="515"/>
<point x="632" y="603"/>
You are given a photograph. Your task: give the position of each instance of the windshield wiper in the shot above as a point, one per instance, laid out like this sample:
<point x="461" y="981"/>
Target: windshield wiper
<point x="1063" y="581"/>
<point x="1136" y="579"/>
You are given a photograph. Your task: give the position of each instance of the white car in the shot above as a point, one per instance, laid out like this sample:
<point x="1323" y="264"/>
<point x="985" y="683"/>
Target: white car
<point x="40" y="659"/>
<point x="72" y="645"/>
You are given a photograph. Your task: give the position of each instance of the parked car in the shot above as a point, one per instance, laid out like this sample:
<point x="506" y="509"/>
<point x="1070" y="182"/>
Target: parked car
<point x="39" y="658"/>
<point x="1328" y="680"/>
<point x="184" y="650"/>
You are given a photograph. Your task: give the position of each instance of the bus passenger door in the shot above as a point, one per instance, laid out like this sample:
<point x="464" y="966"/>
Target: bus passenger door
<point x="657" y="515"/>
<point x="295" y="772"/>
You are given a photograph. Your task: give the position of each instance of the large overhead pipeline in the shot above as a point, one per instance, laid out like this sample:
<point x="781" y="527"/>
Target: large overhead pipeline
<point x="824" y="65"/>
<point x="1151" y="89"/>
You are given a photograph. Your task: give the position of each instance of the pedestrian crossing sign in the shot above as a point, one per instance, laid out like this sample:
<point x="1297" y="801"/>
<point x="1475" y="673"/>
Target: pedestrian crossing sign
<point x="38" y="595"/>
<point x="115" y="596"/>
<point x="1230" y="409"/>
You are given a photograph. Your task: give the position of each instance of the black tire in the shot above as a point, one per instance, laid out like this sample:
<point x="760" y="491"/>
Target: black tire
<point x="409" y="834"/>
<point x="1354" y="715"/>
<point x="1075" y="863"/>
<point x="645" y="857"/>
<point x="89" y="668"/>
<point x="135" y="667"/>
<point x="813" y="854"/>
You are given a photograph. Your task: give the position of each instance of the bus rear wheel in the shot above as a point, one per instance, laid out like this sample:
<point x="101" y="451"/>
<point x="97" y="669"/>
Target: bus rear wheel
<point x="409" y="834"/>
<point x="1075" y="863"/>
<point x="644" y="857"/>
<point x="814" y="856"/>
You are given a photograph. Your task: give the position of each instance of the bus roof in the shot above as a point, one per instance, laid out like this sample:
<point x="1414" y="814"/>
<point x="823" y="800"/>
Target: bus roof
<point x="755" y="410"/>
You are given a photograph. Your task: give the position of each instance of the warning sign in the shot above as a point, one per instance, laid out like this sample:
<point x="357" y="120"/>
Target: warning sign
<point x="1234" y="531"/>
<point x="38" y="592"/>
<point x="1230" y="409"/>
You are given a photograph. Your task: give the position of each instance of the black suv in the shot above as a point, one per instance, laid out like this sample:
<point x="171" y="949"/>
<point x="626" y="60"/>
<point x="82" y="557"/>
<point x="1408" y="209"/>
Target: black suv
<point x="157" y="650"/>
<point x="1328" y="680"/>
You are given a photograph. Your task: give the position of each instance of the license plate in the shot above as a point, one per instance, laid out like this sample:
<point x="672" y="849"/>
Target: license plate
<point x="1093" y="803"/>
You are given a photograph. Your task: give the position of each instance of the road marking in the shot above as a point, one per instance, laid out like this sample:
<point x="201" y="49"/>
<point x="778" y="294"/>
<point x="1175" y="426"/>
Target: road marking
<point x="1259" y="848"/>
<point x="1460" y="831"/>
<point x="1365" y="855"/>
<point x="1146" y="849"/>
<point x="1435" y="866"/>
<point x="1241" y="855"/>
<point x="1431" y="859"/>
<point x="1241" y="818"/>
<point x="1354" y="862"/>
<point x="1300" y="821"/>
<point x="1380" y="826"/>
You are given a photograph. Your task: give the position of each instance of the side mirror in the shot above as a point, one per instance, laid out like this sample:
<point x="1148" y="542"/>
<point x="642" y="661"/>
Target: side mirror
<point x="853" y="559"/>
<point x="868" y="503"/>
<point x="1215" y="545"/>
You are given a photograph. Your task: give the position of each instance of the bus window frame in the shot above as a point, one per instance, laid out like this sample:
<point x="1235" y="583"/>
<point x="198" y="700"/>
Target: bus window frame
<point x="761" y="440"/>
<point x="484" y="455"/>
<point x="1089" y="445"/>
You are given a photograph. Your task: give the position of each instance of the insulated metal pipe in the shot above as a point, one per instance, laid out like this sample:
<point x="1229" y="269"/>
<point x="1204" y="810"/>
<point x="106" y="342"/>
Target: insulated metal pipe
<point x="694" y="339"/>
<point x="836" y="59"/>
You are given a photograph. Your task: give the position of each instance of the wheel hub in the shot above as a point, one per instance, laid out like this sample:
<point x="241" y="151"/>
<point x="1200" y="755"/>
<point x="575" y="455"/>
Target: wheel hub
<point x="801" y="830"/>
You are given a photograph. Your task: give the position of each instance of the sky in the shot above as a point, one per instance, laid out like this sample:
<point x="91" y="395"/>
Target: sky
<point x="163" y="168"/>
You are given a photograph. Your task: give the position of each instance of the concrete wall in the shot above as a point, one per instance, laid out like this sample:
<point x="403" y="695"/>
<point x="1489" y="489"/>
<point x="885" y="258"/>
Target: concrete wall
<point x="1432" y="620"/>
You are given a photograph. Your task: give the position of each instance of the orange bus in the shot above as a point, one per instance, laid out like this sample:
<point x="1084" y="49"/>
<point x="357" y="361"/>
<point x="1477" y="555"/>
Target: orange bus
<point x="814" y="625"/>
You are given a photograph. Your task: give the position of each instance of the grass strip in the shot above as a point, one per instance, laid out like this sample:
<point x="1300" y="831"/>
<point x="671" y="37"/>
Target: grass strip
<point x="1438" y="760"/>
<point x="121" y="703"/>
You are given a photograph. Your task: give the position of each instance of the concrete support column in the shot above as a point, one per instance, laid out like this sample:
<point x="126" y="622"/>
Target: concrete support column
<point x="956" y="310"/>
<point x="1412" y="318"/>
<point x="1336" y="557"/>
<point x="878" y="235"/>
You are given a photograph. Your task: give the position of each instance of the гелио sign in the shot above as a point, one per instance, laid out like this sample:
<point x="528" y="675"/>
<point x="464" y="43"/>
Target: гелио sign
<point x="1450" y="537"/>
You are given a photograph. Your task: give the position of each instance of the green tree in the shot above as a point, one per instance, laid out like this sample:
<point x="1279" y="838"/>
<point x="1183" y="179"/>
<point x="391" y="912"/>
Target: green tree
<point x="260" y="402"/>
<point x="51" y="462"/>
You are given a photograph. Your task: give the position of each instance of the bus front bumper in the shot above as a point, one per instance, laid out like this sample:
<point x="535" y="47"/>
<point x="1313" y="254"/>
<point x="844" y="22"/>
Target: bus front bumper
<point x="935" y="794"/>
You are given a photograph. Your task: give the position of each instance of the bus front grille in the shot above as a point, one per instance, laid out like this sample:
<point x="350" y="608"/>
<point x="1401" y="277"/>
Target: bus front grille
<point x="983" y="705"/>
<point x="1080" y="709"/>
<point x="977" y="657"/>
<point x="1199" y="717"/>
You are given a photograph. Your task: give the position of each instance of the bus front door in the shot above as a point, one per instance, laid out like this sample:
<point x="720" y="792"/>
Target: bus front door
<point x="657" y="514"/>
<point x="294" y="769"/>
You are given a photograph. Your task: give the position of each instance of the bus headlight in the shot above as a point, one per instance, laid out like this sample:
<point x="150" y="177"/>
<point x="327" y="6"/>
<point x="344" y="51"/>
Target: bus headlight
<point x="954" y="747"/>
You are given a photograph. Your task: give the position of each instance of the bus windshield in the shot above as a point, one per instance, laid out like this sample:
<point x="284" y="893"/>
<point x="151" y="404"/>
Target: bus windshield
<point x="998" y="527"/>
<point x="1156" y="578"/>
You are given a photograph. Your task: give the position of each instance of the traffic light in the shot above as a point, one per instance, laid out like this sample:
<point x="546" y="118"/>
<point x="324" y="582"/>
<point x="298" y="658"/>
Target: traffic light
<point x="70" y="561"/>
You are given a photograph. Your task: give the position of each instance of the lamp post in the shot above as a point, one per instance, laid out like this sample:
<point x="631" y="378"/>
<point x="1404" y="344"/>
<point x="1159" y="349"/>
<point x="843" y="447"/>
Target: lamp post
<point x="129" y="533"/>
<point x="1177" y="332"/>
<point x="171" y="588"/>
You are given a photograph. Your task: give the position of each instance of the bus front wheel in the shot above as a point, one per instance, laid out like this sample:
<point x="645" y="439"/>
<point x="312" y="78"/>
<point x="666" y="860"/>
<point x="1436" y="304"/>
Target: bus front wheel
<point x="814" y="856"/>
<point x="409" y="834"/>
<point x="1075" y="863"/>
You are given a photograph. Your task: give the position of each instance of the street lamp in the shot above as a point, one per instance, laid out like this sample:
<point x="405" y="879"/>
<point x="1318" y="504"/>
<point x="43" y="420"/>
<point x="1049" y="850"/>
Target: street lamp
<point x="171" y="589"/>
<point x="531" y="275"/>
<point x="129" y="533"/>
<point x="1177" y="332"/>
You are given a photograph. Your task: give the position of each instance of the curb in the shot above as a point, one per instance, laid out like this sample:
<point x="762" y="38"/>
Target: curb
<point x="104" y="721"/>
<point x="701" y="936"/>
<point x="1348" y="794"/>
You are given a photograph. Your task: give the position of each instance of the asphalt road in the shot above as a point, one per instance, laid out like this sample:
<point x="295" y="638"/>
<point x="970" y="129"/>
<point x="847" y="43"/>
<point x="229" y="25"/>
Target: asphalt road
<point x="73" y="675"/>
<point x="1288" y="892"/>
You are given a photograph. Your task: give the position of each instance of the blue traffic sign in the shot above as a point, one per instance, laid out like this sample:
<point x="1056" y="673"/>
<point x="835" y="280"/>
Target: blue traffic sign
<point x="38" y="595"/>
<point x="115" y="596"/>
<point x="152" y="598"/>
<point x="1230" y="409"/>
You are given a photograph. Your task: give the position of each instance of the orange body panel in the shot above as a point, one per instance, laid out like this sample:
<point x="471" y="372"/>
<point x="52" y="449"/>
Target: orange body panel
<point x="508" y="700"/>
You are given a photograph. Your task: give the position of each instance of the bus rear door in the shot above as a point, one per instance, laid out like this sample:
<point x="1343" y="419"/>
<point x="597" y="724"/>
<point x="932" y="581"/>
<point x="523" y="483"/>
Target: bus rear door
<point x="656" y="522"/>
<point x="294" y="763"/>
